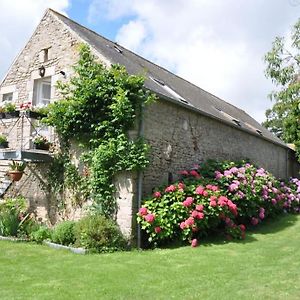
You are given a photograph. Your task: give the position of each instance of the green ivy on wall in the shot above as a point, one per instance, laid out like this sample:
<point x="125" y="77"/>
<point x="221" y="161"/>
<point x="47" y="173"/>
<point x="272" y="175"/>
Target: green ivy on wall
<point x="99" y="106"/>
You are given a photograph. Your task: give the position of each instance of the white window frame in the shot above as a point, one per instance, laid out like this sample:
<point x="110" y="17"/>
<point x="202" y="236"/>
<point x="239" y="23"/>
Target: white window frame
<point x="37" y="96"/>
<point x="11" y="97"/>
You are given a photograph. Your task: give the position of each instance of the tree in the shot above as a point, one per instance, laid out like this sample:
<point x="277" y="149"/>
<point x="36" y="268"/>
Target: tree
<point x="283" y="67"/>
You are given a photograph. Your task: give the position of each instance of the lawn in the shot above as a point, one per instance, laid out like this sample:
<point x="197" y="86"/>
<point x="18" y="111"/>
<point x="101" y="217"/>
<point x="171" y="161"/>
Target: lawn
<point x="264" y="266"/>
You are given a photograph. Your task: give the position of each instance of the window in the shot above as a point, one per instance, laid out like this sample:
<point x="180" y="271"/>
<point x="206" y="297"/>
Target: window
<point x="7" y="97"/>
<point x="169" y="90"/>
<point x="42" y="91"/>
<point x="46" y="55"/>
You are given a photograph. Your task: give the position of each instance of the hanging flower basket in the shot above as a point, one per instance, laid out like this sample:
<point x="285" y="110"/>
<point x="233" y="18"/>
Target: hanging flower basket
<point x="41" y="143"/>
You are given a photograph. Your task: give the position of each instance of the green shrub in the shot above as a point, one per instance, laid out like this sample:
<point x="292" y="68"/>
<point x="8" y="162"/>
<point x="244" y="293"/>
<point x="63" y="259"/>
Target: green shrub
<point x="99" y="234"/>
<point x="63" y="233"/>
<point x="41" y="234"/>
<point x="13" y="216"/>
<point x="216" y="196"/>
<point x="9" y="223"/>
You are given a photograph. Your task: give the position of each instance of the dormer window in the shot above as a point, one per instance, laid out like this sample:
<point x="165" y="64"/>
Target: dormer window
<point x="42" y="91"/>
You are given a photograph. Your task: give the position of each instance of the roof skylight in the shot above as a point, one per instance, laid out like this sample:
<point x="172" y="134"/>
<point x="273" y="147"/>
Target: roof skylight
<point x="118" y="49"/>
<point x="169" y="90"/>
<point x="229" y="117"/>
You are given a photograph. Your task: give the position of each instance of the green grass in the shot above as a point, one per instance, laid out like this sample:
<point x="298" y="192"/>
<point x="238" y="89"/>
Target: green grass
<point x="264" y="266"/>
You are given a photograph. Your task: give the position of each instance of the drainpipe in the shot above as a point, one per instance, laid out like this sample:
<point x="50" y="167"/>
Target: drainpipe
<point x="140" y="175"/>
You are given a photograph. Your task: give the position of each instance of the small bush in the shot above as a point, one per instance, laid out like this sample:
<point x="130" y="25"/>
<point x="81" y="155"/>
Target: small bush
<point x="41" y="234"/>
<point x="63" y="233"/>
<point x="13" y="216"/>
<point x="99" y="234"/>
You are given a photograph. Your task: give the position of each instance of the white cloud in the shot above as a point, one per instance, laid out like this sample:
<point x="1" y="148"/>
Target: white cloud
<point x="137" y="34"/>
<point x="18" y="21"/>
<point x="218" y="45"/>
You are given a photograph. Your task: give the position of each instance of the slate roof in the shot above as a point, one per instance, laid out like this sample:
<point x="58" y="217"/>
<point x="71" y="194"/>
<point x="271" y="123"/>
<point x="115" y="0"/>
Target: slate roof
<point x="170" y="86"/>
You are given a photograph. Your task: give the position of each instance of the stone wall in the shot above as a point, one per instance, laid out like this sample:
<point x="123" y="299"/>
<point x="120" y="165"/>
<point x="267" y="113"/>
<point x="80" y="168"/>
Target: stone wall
<point x="62" y="48"/>
<point x="180" y="138"/>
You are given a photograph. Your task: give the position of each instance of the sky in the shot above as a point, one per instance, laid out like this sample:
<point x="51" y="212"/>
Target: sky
<point x="218" y="45"/>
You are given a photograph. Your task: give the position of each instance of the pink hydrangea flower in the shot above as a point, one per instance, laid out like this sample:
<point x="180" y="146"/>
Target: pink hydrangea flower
<point x="184" y="173"/>
<point x="143" y="211"/>
<point x="157" y="229"/>
<point x="233" y="187"/>
<point x="218" y="175"/>
<point x="213" y="203"/>
<point x="195" y="174"/>
<point x="261" y="215"/>
<point x="200" y="216"/>
<point x="188" y="201"/>
<point x="199" y="207"/>
<point x="194" y="213"/>
<point x="199" y="190"/>
<point x="227" y="173"/>
<point x="205" y="193"/>
<point x="190" y="221"/>
<point x="222" y="201"/>
<point x="150" y="218"/>
<point x="157" y="194"/>
<point x="242" y="227"/>
<point x="182" y="225"/>
<point x="214" y="188"/>
<point x="181" y="185"/>
<point x="274" y="201"/>
<point x="234" y="170"/>
<point x="209" y="186"/>
<point x="171" y="188"/>
<point x="194" y="243"/>
<point x="254" y="221"/>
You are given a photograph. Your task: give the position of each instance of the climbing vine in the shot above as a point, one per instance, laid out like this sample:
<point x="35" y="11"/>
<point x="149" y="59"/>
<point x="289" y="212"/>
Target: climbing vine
<point x="98" y="108"/>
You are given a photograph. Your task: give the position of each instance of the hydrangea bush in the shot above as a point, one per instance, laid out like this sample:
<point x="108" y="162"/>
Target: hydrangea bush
<point x="216" y="196"/>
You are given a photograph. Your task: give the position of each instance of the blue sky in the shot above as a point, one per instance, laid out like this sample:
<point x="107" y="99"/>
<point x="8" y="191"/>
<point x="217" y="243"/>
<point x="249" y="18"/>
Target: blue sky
<point x="216" y="44"/>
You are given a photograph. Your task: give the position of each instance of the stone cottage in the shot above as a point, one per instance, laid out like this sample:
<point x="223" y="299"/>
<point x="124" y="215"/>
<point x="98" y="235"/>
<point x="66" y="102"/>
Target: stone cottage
<point x="185" y="126"/>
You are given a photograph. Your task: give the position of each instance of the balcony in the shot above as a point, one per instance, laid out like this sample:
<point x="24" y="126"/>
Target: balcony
<point x="20" y="128"/>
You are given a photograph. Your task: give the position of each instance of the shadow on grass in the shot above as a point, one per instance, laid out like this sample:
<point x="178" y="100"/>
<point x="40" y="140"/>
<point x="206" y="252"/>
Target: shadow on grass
<point x="269" y="226"/>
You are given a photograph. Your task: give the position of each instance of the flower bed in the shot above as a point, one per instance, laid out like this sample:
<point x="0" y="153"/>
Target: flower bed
<point x="216" y="197"/>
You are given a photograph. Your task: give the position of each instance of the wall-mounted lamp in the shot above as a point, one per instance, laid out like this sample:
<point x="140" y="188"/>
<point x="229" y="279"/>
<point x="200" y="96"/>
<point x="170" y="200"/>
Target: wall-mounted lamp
<point x="42" y="71"/>
<point x="63" y="73"/>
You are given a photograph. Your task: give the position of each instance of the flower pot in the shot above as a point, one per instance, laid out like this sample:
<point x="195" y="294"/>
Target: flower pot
<point x="41" y="147"/>
<point x="15" y="175"/>
<point x="3" y="145"/>
<point x="2" y="115"/>
<point x="13" y="114"/>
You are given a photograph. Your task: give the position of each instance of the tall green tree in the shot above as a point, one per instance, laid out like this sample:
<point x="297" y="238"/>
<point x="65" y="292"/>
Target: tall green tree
<point x="283" y="67"/>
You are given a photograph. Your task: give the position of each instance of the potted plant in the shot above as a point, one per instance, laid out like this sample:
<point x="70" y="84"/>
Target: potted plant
<point x="41" y="143"/>
<point x="39" y="112"/>
<point x="10" y="110"/>
<point x="3" y="141"/>
<point x="32" y="112"/>
<point x="16" y="170"/>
